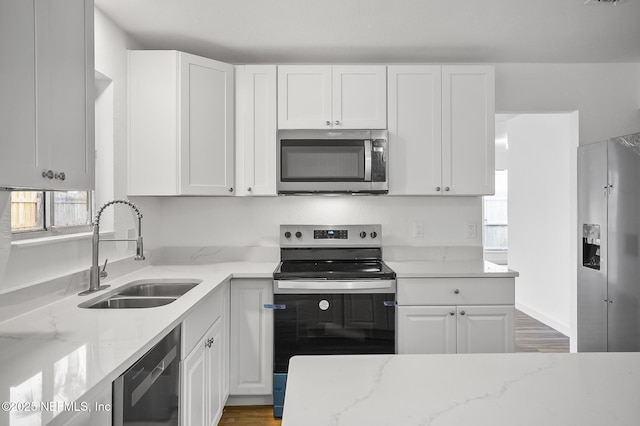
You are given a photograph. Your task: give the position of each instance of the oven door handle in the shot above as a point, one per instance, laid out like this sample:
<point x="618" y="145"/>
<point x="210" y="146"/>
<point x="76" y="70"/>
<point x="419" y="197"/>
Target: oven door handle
<point x="334" y="285"/>
<point x="274" y="306"/>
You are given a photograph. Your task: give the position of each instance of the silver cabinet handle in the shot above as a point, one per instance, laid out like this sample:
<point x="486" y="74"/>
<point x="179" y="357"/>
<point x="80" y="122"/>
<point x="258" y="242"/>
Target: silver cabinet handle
<point x="209" y="342"/>
<point x="337" y="122"/>
<point x="230" y="189"/>
<point x="61" y="176"/>
<point x="447" y="188"/>
<point x="328" y="123"/>
<point x="452" y="313"/>
<point x="249" y="189"/>
<point x="48" y="174"/>
<point x="456" y="291"/>
<point x="438" y="188"/>
<point x="462" y="312"/>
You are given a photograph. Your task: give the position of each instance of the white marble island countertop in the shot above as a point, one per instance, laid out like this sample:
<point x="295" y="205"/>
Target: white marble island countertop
<point x="466" y="389"/>
<point x="61" y="353"/>
<point x="451" y="269"/>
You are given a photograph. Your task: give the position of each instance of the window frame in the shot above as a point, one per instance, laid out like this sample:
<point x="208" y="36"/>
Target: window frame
<point x="48" y="219"/>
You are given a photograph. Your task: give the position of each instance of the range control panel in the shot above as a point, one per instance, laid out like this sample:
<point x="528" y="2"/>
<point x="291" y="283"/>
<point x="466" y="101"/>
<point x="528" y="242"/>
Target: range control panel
<point x="330" y="235"/>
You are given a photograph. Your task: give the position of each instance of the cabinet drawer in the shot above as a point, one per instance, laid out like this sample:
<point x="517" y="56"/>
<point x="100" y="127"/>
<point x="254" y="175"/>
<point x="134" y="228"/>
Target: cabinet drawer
<point x="205" y="314"/>
<point x="455" y="291"/>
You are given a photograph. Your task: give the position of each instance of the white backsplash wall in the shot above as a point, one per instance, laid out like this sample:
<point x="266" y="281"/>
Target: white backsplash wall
<point x="255" y="221"/>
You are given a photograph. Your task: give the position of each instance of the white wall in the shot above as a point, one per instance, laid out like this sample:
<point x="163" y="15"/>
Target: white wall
<point x="606" y="95"/>
<point x="23" y="264"/>
<point x="542" y="182"/>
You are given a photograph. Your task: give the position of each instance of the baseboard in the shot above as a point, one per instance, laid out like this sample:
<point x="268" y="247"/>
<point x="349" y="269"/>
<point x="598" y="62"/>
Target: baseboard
<point x="551" y="322"/>
<point x="250" y="400"/>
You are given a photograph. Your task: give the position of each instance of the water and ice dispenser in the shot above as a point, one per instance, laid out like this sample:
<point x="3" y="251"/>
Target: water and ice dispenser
<point x="591" y="246"/>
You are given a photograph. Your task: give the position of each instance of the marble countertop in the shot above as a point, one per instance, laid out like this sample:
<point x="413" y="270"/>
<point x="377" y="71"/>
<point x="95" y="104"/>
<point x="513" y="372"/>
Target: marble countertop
<point x="60" y="352"/>
<point x="451" y="269"/>
<point x="466" y="389"/>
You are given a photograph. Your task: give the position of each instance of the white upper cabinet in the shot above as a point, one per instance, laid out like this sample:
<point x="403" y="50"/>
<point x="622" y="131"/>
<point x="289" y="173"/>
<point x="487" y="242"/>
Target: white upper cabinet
<point x="468" y="129"/>
<point x="47" y="105"/>
<point x="332" y="97"/>
<point x="181" y="124"/>
<point x="256" y="106"/>
<point x="441" y="130"/>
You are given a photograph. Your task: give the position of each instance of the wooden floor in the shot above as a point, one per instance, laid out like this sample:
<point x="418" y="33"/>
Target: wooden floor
<point x="531" y="336"/>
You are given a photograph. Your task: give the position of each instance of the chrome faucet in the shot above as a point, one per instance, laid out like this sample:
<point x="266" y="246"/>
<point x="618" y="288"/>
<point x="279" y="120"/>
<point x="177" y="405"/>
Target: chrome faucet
<point x="95" y="274"/>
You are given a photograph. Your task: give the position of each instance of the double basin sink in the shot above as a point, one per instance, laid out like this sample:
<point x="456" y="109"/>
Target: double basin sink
<point x="142" y="294"/>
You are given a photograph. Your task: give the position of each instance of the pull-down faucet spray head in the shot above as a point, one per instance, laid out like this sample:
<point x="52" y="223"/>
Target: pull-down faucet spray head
<point x="94" y="272"/>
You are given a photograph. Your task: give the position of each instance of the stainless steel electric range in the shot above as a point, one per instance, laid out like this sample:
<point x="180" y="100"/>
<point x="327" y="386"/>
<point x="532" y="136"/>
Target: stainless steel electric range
<point x="333" y="294"/>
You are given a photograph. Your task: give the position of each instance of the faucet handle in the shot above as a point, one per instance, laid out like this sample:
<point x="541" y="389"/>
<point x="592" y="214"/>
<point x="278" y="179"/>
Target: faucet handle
<point x="103" y="273"/>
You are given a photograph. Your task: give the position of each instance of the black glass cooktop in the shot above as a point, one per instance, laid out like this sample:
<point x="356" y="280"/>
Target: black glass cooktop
<point x="333" y="270"/>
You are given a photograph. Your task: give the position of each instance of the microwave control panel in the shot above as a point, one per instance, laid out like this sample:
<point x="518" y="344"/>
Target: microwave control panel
<point x="378" y="160"/>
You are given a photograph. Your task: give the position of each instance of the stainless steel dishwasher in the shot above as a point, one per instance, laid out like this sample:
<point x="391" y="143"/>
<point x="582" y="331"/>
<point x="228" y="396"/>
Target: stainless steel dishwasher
<point x="148" y="392"/>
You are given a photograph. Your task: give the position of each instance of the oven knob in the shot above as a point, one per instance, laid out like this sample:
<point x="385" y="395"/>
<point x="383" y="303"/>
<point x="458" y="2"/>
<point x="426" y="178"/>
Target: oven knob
<point x="298" y="234"/>
<point x="374" y="234"/>
<point x="363" y="234"/>
<point x="287" y="234"/>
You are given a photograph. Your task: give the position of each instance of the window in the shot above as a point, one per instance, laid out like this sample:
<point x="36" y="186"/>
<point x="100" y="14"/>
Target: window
<point x="494" y="229"/>
<point x="41" y="213"/>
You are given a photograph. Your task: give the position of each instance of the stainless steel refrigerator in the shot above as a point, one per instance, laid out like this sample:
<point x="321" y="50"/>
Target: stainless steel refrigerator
<point x="609" y="260"/>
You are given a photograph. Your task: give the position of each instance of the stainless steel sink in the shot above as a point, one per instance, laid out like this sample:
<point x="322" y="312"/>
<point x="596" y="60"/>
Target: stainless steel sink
<point x="132" y="302"/>
<point x="142" y="294"/>
<point x="154" y="289"/>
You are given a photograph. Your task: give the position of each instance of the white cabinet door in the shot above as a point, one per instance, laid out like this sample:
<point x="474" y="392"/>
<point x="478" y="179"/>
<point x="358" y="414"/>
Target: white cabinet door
<point x="359" y="97"/>
<point x="426" y="330"/>
<point x="468" y="129"/>
<point x="202" y="380"/>
<point x="19" y="164"/>
<point x="180" y="113"/>
<point x="256" y="127"/>
<point x="415" y="130"/>
<point x="47" y="94"/>
<point x="207" y="130"/>
<point x="485" y="329"/>
<point x="64" y="81"/>
<point x="304" y="97"/>
<point x="216" y="372"/>
<point x="195" y="386"/>
<point x="251" y="363"/>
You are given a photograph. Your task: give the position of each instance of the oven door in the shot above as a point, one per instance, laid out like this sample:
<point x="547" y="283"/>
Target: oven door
<point x="334" y="323"/>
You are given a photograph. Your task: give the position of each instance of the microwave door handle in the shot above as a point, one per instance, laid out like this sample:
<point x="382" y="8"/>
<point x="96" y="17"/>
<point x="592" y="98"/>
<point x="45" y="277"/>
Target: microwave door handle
<point x="367" y="160"/>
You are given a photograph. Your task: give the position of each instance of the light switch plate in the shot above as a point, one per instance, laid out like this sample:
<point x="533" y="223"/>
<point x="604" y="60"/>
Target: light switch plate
<point x="471" y="230"/>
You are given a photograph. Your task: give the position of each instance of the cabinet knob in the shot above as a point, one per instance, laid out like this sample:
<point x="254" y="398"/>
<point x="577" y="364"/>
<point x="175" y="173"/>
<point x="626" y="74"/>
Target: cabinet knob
<point x="328" y="123"/>
<point x="456" y="291"/>
<point x="249" y="189"/>
<point x="209" y="342"/>
<point x="337" y="123"/>
<point x="48" y="174"/>
<point x="230" y="189"/>
<point x="452" y="313"/>
<point x="447" y="188"/>
<point x="60" y="176"/>
<point x="438" y="188"/>
<point x="462" y="312"/>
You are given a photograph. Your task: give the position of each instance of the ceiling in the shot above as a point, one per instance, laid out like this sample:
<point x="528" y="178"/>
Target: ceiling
<point x="367" y="31"/>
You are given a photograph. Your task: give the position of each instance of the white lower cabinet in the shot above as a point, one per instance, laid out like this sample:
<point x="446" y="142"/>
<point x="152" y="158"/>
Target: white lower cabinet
<point x="251" y="350"/>
<point x="204" y="366"/>
<point x="455" y="315"/>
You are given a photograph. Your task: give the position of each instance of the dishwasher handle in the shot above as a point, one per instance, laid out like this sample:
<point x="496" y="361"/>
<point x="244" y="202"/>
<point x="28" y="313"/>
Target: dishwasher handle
<point x="148" y="381"/>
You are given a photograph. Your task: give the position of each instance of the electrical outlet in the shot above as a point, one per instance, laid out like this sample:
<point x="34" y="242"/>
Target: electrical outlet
<point x="471" y="230"/>
<point x="418" y="229"/>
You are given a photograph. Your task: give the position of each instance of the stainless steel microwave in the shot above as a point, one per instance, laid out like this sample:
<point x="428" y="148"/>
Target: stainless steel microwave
<point x="332" y="161"/>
